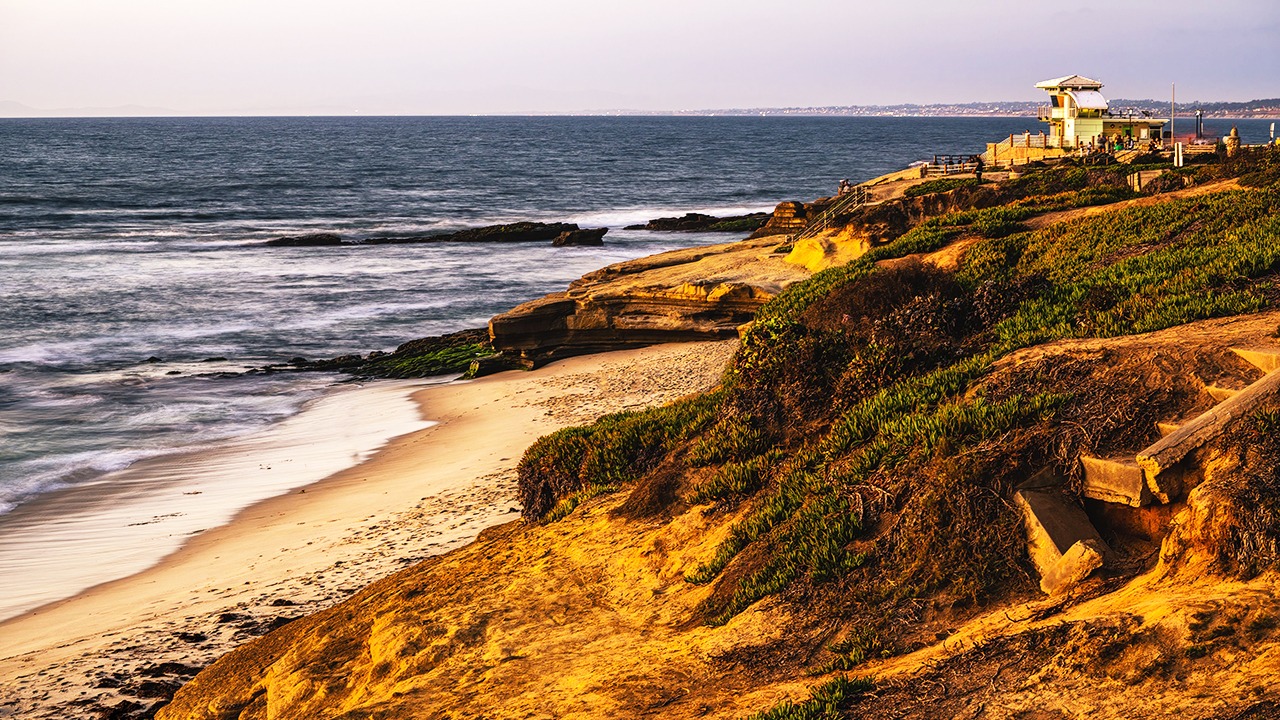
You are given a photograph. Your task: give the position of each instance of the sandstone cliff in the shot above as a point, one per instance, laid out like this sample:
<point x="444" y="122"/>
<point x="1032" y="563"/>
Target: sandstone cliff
<point x="594" y="615"/>
<point x="697" y="293"/>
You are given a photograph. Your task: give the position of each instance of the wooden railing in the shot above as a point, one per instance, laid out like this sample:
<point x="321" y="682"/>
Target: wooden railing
<point x="951" y="168"/>
<point x="856" y="197"/>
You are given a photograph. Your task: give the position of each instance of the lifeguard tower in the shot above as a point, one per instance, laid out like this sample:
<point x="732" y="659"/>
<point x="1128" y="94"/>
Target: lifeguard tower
<point x="1079" y="116"/>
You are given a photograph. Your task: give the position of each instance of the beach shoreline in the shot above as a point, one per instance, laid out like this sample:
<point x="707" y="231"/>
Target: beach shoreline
<point x="421" y="494"/>
<point x="67" y="541"/>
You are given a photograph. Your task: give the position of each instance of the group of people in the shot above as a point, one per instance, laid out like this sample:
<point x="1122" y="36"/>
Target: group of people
<point x="1101" y="144"/>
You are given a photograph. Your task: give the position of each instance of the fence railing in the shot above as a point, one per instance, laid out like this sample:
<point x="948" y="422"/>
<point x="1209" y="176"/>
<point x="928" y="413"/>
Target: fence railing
<point x="950" y="168"/>
<point x="854" y="198"/>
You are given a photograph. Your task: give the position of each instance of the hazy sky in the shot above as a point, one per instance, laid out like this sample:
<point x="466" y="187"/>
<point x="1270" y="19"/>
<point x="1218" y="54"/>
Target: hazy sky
<point x="486" y="56"/>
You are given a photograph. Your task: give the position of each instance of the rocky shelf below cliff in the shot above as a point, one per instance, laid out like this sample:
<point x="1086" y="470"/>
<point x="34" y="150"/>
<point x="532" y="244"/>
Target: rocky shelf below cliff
<point x="691" y="294"/>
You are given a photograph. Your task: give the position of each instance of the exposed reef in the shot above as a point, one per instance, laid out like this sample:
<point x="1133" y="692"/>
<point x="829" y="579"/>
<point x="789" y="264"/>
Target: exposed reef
<point x="699" y="222"/>
<point x="508" y="233"/>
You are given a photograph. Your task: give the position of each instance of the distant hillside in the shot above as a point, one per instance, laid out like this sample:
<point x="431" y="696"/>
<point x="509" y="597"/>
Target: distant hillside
<point x="1268" y="108"/>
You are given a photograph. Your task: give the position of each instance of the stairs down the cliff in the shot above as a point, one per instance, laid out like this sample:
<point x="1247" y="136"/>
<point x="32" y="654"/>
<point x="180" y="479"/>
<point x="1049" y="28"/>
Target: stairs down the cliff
<point x="855" y="198"/>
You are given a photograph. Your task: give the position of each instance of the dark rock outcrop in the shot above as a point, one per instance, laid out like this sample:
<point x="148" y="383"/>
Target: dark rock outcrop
<point x="698" y="222"/>
<point x="511" y="232"/>
<point x="307" y="240"/>
<point x="574" y="238"/>
<point x="425" y="357"/>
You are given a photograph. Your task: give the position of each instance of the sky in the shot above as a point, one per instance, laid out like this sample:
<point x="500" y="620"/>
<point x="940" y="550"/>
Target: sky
<point x="426" y="57"/>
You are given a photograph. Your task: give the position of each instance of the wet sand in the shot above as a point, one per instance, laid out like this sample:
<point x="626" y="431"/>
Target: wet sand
<point x="421" y="495"/>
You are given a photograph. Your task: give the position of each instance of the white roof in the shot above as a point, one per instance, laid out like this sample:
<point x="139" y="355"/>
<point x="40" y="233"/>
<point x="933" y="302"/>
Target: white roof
<point x="1069" y="81"/>
<point x="1088" y="99"/>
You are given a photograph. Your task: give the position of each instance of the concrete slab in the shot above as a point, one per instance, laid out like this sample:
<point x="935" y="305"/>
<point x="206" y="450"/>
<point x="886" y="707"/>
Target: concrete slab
<point x="1219" y="393"/>
<point x="1117" y="480"/>
<point x="1078" y="563"/>
<point x="1054" y="527"/>
<point x="1266" y="359"/>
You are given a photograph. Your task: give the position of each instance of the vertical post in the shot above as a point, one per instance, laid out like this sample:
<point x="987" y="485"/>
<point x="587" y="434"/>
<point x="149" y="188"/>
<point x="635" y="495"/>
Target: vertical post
<point x="1173" y="104"/>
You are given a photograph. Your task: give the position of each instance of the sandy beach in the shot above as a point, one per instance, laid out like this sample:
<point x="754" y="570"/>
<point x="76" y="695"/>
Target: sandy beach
<point x="422" y="494"/>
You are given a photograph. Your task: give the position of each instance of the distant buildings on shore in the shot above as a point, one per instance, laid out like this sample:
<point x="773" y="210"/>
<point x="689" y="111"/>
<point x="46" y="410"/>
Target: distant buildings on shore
<point x="1269" y="108"/>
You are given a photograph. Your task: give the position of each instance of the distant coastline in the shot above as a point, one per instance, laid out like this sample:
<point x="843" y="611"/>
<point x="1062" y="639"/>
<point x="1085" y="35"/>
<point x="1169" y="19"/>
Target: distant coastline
<point x="1253" y="109"/>
<point x="1263" y="109"/>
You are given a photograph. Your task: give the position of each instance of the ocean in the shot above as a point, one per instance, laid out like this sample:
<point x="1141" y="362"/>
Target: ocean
<point x="135" y="282"/>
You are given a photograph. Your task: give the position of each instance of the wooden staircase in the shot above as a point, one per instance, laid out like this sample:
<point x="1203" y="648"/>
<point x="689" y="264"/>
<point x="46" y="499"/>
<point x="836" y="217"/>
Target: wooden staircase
<point x="857" y="197"/>
<point x="1151" y="475"/>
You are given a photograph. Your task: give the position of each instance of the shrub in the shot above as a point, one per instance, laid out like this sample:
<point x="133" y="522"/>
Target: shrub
<point x="581" y="462"/>
<point x="929" y="187"/>
<point x="825" y="701"/>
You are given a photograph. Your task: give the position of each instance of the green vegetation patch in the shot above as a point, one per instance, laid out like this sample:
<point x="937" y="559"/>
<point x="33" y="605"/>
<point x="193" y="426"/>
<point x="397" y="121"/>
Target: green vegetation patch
<point x="444" y="361"/>
<point x="930" y="187"/>
<point x="826" y="701"/>
<point x="576" y="463"/>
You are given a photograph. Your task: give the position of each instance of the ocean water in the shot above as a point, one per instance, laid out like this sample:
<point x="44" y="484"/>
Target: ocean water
<point x="133" y="275"/>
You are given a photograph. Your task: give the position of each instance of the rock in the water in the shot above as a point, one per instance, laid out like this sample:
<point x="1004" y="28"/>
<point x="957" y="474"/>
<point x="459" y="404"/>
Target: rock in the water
<point x="308" y="240"/>
<point x="699" y="222"/>
<point x="588" y="237"/>
<point x="511" y="232"/>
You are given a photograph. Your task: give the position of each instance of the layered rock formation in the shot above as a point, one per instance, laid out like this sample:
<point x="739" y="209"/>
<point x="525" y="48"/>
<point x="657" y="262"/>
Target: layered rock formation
<point x="697" y="293"/>
<point x="788" y="217"/>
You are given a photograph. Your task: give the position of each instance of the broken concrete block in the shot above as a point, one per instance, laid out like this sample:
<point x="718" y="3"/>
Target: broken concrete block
<point x="1054" y="526"/>
<point x="1078" y="563"/>
<point x="1266" y="359"/>
<point x="1117" y="480"/>
<point x="1219" y="393"/>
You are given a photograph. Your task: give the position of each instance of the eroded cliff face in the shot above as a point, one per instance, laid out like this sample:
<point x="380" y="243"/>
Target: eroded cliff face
<point x="590" y="617"/>
<point x="692" y="294"/>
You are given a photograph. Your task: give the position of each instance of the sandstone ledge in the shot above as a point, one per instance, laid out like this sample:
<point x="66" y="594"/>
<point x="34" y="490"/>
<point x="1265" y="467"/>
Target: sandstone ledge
<point x="692" y="294"/>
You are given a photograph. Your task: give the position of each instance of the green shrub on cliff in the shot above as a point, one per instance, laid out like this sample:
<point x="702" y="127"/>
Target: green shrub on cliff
<point x="825" y="701"/>
<point x="578" y="462"/>
<point x="930" y="187"/>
